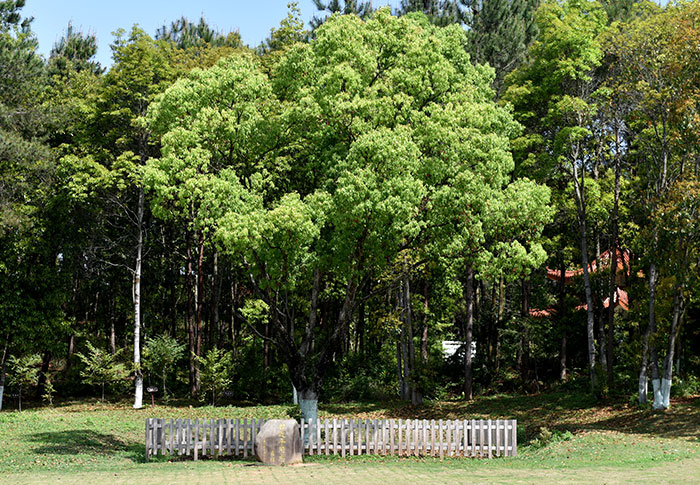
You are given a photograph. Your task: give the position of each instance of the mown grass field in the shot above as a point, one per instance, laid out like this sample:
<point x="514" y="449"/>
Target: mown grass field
<point x="614" y="442"/>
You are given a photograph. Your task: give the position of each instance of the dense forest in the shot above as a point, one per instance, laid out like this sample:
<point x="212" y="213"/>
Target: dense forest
<point x="448" y="199"/>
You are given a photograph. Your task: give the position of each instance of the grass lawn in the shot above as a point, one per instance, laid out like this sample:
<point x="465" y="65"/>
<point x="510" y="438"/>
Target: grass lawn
<point x="77" y="442"/>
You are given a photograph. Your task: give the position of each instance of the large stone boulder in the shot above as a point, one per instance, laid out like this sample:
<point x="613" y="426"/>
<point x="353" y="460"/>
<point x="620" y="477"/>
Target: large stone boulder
<point x="278" y="442"/>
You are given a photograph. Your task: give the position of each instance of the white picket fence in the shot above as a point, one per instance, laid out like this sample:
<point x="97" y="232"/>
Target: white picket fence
<point x="216" y="437"/>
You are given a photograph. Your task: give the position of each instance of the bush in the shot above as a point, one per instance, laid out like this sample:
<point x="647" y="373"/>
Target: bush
<point x="686" y="386"/>
<point x="160" y="355"/>
<point x="546" y="437"/>
<point x="102" y="368"/>
<point x="24" y="372"/>
<point x="215" y="371"/>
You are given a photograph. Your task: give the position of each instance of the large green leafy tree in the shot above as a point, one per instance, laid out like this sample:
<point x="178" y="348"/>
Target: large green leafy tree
<point x="658" y="77"/>
<point x="372" y="137"/>
<point x="105" y="165"/>
<point x="554" y="97"/>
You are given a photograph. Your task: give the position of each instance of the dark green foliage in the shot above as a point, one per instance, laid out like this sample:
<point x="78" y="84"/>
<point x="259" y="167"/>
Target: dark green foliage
<point x="342" y="7"/>
<point x="440" y="12"/>
<point x="10" y="14"/>
<point x="501" y="31"/>
<point x="186" y="34"/>
<point x="74" y="51"/>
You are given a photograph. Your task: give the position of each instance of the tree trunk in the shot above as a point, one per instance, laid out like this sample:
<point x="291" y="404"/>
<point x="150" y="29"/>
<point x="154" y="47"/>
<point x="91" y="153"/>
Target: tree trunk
<point x="501" y="315"/>
<point x="43" y="375"/>
<point x="667" y="376"/>
<point x="650" y="331"/>
<point x="112" y="331"/>
<point x="3" y="369"/>
<point x="678" y="310"/>
<point x="424" y="333"/>
<point x="361" y="329"/>
<point x="138" y="376"/>
<point x="562" y="320"/>
<point x="199" y="299"/>
<point x="602" y="352"/>
<point x="614" y="246"/>
<point x="416" y="393"/>
<point x="579" y="196"/>
<point x="399" y="369"/>
<point x="525" y="336"/>
<point x="71" y="349"/>
<point x="309" y="404"/>
<point x="191" y="336"/>
<point x="468" y="329"/>
<point x="590" y="318"/>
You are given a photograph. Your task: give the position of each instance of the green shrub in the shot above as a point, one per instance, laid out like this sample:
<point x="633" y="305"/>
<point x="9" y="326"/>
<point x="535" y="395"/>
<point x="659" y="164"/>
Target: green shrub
<point x="545" y="437"/>
<point x="160" y="355"/>
<point x="24" y="372"/>
<point x="215" y="370"/>
<point x="102" y="368"/>
<point x="686" y="386"/>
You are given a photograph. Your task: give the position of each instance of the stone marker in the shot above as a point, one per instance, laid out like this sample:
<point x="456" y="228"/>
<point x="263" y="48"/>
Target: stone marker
<point x="278" y="442"/>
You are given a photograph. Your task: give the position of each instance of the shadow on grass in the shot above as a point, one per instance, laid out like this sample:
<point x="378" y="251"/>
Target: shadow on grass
<point x="562" y="411"/>
<point x="85" y="441"/>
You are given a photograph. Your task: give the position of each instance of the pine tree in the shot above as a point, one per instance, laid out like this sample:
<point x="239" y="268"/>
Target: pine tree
<point x="74" y="50"/>
<point x="440" y="12"/>
<point x="343" y="7"/>
<point x="500" y="33"/>
<point x="186" y="34"/>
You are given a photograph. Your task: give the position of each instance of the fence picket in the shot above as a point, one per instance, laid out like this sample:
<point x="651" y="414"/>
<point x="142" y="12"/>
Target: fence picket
<point x="318" y="436"/>
<point x="212" y="438"/>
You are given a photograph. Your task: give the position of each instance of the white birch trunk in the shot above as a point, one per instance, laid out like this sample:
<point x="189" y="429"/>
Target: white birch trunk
<point x="658" y="400"/>
<point x="643" y="388"/>
<point x="138" y="378"/>
<point x="665" y="393"/>
<point x="3" y="368"/>
<point x="309" y="405"/>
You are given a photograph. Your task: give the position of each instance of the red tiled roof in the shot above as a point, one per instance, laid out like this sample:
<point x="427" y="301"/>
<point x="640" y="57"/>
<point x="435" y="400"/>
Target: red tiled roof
<point x="623" y="264"/>
<point x="621" y="299"/>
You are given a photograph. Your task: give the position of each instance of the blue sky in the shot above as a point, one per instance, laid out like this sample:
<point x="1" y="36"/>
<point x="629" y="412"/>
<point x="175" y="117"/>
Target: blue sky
<point x="253" y="19"/>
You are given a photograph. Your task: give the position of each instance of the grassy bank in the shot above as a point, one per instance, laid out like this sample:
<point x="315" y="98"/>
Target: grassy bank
<point x="79" y="439"/>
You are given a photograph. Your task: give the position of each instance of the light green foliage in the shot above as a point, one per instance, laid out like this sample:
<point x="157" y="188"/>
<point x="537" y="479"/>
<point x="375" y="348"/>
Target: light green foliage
<point x="216" y="367"/>
<point x="213" y="126"/>
<point x="554" y="88"/>
<point x="160" y="355"/>
<point x="290" y="31"/>
<point x="102" y="368"/>
<point x="23" y="371"/>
